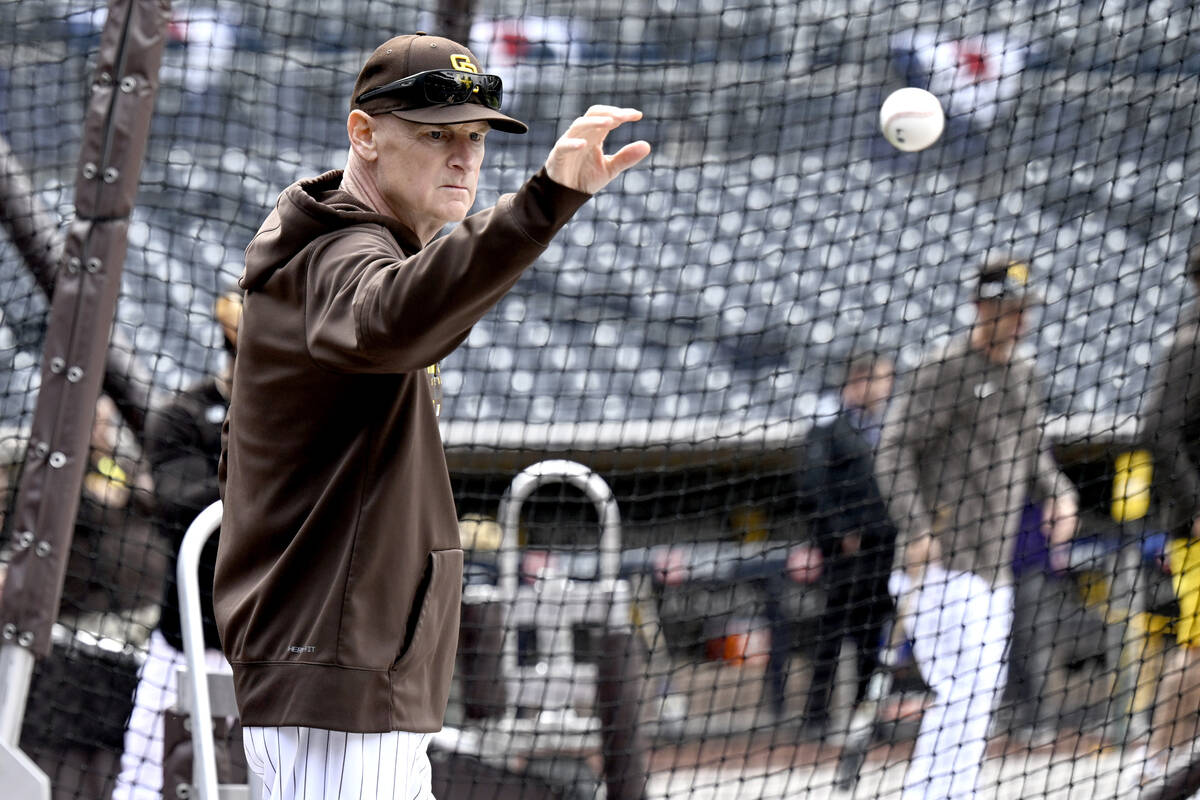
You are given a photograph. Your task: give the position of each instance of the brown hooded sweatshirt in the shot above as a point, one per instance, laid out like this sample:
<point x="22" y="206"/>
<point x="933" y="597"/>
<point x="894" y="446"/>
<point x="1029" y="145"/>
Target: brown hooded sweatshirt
<point x="339" y="570"/>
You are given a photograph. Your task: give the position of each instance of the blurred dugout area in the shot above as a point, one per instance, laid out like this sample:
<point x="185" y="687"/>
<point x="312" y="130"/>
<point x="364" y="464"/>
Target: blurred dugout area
<point x="760" y="245"/>
<point x="716" y="573"/>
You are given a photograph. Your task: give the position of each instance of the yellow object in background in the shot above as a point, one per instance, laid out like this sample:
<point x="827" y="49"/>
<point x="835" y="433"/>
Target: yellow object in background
<point x="1183" y="557"/>
<point x="109" y="468"/>
<point x="479" y="532"/>
<point x="1131" y="486"/>
<point x="750" y="524"/>
<point x="228" y="311"/>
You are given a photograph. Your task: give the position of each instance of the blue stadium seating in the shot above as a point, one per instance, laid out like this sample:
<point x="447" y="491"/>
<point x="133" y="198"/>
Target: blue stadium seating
<point x="729" y="285"/>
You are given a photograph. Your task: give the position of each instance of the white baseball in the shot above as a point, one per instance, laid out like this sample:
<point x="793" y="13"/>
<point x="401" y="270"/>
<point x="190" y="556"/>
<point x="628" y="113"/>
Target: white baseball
<point x="911" y="119"/>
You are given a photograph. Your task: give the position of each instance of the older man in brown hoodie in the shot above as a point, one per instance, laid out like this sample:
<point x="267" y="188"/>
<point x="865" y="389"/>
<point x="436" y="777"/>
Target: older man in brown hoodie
<point x="339" y="571"/>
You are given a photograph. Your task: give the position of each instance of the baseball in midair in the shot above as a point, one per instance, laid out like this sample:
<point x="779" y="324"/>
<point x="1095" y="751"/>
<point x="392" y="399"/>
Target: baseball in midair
<point x="911" y="119"/>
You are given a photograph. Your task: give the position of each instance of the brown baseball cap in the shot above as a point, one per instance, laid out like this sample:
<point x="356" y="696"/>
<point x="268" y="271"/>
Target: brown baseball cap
<point x="409" y="55"/>
<point x="1007" y="279"/>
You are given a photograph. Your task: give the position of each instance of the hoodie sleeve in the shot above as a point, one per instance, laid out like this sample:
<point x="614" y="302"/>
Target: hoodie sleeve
<point x="906" y="428"/>
<point x="369" y="308"/>
<point x="1050" y="481"/>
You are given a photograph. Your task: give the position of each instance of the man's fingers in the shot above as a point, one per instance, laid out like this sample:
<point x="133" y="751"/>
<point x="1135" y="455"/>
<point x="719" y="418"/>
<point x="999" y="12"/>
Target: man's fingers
<point x="592" y="128"/>
<point x="628" y="155"/>
<point x="616" y="112"/>
<point x="591" y="121"/>
<point x="578" y="160"/>
<point x="571" y="143"/>
<point x="599" y="120"/>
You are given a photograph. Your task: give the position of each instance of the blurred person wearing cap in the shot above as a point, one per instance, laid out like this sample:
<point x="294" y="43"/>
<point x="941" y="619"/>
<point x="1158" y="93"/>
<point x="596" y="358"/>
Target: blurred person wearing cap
<point x="183" y="448"/>
<point x="339" y="572"/>
<point x="961" y="450"/>
<point x="1170" y="430"/>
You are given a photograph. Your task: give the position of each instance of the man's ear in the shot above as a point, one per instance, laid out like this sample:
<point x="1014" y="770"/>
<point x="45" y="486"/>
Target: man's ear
<point x="361" y="130"/>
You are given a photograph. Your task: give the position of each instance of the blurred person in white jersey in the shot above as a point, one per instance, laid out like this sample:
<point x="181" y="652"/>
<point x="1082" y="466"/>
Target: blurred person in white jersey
<point x="339" y="571"/>
<point x="961" y="450"/>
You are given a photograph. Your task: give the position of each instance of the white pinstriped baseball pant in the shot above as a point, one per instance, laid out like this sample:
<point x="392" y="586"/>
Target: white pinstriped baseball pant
<point x="959" y="626"/>
<point x="297" y="763"/>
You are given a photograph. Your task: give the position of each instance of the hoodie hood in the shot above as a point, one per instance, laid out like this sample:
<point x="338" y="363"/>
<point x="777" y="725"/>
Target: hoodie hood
<point x="305" y="211"/>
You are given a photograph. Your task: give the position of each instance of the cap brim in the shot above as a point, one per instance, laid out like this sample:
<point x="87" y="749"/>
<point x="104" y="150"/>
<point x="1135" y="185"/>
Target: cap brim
<point x="462" y="112"/>
<point x="1026" y="299"/>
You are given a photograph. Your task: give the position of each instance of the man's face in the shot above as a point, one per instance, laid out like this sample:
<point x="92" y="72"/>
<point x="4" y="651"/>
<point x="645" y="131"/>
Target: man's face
<point x="428" y="173"/>
<point x="868" y="389"/>
<point x="1193" y="264"/>
<point x="879" y="387"/>
<point x="1001" y="324"/>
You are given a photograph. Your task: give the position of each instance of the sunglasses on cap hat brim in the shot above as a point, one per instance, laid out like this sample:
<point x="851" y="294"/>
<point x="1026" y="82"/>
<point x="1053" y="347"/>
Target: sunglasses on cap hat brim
<point x="1006" y="283"/>
<point x="446" y="96"/>
<point x="1007" y="299"/>
<point x="441" y="87"/>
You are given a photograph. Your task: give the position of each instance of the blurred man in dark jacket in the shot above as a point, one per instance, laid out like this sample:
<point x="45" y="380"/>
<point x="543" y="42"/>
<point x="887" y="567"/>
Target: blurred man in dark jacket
<point x="851" y="526"/>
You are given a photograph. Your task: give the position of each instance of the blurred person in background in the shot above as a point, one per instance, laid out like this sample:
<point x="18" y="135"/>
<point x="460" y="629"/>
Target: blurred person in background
<point x="1042" y="597"/>
<point x="961" y="450"/>
<point x="1170" y="429"/>
<point x="851" y="527"/>
<point x="183" y="448"/>
<point x="82" y="693"/>
<point x="12" y="452"/>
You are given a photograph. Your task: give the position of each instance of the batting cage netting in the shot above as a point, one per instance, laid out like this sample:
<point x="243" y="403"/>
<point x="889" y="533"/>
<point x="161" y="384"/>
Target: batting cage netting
<point x="798" y="465"/>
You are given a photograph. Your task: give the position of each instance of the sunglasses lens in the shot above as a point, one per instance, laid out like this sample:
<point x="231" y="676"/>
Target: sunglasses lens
<point x="446" y="87"/>
<point x="490" y="91"/>
<point x="443" y="87"/>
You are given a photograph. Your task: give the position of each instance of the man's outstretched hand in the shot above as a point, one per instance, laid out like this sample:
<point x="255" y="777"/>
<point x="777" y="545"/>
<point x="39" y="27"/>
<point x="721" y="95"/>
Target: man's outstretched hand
<point x="577" y="160"/>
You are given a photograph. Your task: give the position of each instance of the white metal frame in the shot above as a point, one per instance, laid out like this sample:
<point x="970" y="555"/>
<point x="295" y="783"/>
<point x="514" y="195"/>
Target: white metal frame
<point x="552" y="606"/>
<point x="195" y="694"/>
<point x="18" y="774"/>
<point x="204" y="764"/>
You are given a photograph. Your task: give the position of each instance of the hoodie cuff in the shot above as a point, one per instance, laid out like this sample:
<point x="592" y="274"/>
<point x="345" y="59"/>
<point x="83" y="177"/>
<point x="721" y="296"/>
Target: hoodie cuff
<point x="541" y="207"/>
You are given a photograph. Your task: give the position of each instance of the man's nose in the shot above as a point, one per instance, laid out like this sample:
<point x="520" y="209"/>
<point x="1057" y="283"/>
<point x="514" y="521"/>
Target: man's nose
<point x="465" y="156"/>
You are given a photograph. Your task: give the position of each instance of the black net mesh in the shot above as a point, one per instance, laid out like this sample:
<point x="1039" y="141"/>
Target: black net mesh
<point x="701" y="336"/>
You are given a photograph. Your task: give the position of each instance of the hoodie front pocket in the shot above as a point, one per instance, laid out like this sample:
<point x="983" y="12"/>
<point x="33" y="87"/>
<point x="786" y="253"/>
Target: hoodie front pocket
<point x="435" y="606"/>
